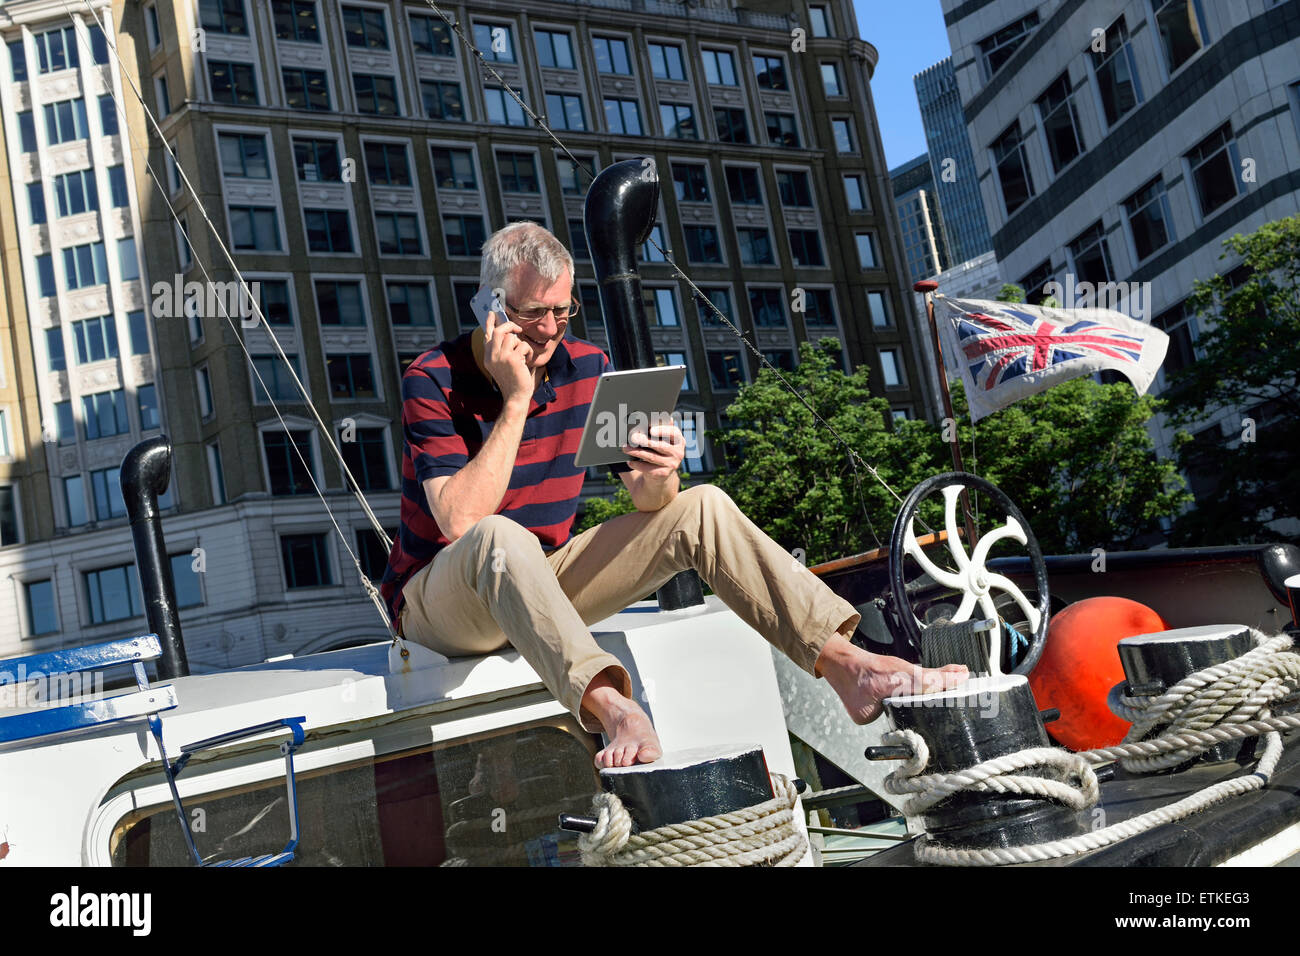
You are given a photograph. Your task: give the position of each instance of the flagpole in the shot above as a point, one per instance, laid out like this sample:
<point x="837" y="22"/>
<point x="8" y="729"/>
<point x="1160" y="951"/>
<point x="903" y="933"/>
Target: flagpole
<point x="927" y="287"/>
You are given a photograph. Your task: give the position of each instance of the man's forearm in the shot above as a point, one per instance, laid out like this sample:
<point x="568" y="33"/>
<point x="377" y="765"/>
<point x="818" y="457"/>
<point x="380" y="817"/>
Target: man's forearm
<point x="651" y="494"/>
<point x="477" y="489"/>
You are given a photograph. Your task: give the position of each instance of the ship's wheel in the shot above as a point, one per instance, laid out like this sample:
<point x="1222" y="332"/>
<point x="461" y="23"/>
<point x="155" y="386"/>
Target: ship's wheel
<point x="951" y="583"/>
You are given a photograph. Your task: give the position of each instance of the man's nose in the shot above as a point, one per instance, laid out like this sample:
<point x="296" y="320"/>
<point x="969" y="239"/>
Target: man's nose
<point x="548" y="326"/>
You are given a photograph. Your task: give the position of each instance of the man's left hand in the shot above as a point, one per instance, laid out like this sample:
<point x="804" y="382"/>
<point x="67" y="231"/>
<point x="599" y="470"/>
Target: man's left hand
<point x="659" y="455"/>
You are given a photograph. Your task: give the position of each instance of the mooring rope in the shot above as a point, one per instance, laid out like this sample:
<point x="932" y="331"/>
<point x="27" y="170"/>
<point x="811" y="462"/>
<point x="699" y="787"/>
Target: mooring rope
<point x="764" y="834"/>
<point x="1228" y="701"/>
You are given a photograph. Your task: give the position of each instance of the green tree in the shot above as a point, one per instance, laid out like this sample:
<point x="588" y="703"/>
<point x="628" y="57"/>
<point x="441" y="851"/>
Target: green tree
<point x="1250" y="364"/>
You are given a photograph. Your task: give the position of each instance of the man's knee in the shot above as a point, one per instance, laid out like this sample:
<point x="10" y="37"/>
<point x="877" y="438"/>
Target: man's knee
<point x="498" y="531"/>
<point x="709" y="497"/>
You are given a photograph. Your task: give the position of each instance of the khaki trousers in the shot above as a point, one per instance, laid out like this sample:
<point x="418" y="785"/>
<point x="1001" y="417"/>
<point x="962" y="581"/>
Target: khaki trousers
<point x="495" y="585"/>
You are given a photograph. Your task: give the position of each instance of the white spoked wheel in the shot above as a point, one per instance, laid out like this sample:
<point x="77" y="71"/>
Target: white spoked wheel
<point x="968" y="572"/>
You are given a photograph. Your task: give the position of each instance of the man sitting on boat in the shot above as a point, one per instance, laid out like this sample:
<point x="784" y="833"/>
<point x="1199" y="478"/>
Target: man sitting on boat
<point x="484" y="556"/>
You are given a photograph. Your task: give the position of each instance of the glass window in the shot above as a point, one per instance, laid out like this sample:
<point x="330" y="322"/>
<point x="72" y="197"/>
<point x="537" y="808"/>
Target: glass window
<point x="289" y="473"/>
<point x="203" y="383"/>
<point x="127" y="259"/>
<point x="216" y="474"/>
<point x="367" y="459"/>
<point x="54" y="349"/>
<point x="223" y="16"/>
<point x="891" y="367"/>
<point x="623" y="116"/>
<point x="1090" y="255"/>
<point x="831" y="79"/>
<point x="879" y="307"/>
<point x="464" y="235"/>
<point x="769" y="70"/>
<point x="1060" y="123"/>
<point x="117" y="189"/>
<point x="18" y="61"/>
<point x="819" y="307"/>
<point x="794" y="187"/>
<point x="554" y="49"/>
<point x="666" y="61"/>
<point x="726" y="370"/>
<point x="386" y="164"/>
<point x="398" y="234"/>
<point x="843" y="131"/>
<point x="782" y="130"/>
<point x="163" y="95"/>
<point x="317" y="160"/>
<point x="755" y="247"/>
<point x="496" y="41"/>
<point x="306" y="90"/>
<point x="41" y="615"/>
<point x="1182" y="30"/>
<point x="657" y="240"/>
<point x="1013" y="168"/>
<point x="98" y="44"/>
<point x="148" y="400"/>
<point x="1179" y="323"/>
<point x="138" y="327"/>
<point x="806" y="247"/>
<point x="782" y="359"/>
<point x="678" y="120"/>
<point x="65" y="121"/>
<point x="996" y="48"/>
<point x="518" y="172"/>
<point x="677" y="358"/>
<point x="275" y="305"/>
<point x="702" y="244"/>
<point x="105" y="414"/>
<point x="611" y="55"/>
<point x="107" y="115"/>
<point x="409" y="303"/>
<point x="364" y="27"/>
<point x="275" y="382"/>
<point x="719" y="299"/>
<point x="185" y="580"/>
<point x="867" y="251"/>
<point x="351" y="376"/>
<point x="578" y="240"/>
<point x="719" y="67"/>
<point x="27" y="130"/>
<point x="743" y="187"/>
<point x="691" y="182"/>
<point x="74" y="497"/>
<point x="254" y="228"/>
<point x="1148" y="218"/>
<point x="36" y="203"/>
<point x="339" y="303"/>
<point x="564" y="111"/>
<point x="151" y="26"/>
<point x="731" y="124"/>
<point x="820" y="18"/>
<point x="45" y="275"/>
<point x="106" y="489"/>
<point x="296" y="20"/>
<point x="463" y="292"/>
<point x="1214" y="167"/>
<point x="233" y="83"/>
<point x="376" y="94"/>
<point x="768" y="308"/>
<point x="243" y="155"/>
<point x="1115" y="68"/>
<point x="503" y="109"/>
<point x="85" y="265"/>
<point x="56" y="50"/>
<point x="113" y="594"/>
<point x="442" y="100"/>
<point x="574" y="180"/>
<point x="454" y="168"/>
<point x="661" y="307"/>
<point x="431" y="35"/>
<point x="306" y="561"/>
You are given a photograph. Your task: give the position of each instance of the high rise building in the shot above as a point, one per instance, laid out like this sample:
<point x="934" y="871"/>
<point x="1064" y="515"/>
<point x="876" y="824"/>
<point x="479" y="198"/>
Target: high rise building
<point x="351" y="158"/>
<point x="925" y="244"/>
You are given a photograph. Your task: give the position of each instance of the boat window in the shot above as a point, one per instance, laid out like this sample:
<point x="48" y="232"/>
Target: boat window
<point x="492" y="799"/>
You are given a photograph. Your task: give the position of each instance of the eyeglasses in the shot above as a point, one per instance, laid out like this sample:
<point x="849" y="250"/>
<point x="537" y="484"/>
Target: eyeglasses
<point x="561" y="313"/>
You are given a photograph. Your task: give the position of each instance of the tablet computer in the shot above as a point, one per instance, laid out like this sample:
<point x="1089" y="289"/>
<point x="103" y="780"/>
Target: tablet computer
<point x="625" y="402"/>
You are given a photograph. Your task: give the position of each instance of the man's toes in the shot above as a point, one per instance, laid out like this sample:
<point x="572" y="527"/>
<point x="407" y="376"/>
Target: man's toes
<point x="648" y="753"/>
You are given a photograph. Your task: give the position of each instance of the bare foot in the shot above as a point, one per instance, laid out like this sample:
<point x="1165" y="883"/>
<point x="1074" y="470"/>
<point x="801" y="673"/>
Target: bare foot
<point x="632" y="738"/>
<point x="863" y="679"/>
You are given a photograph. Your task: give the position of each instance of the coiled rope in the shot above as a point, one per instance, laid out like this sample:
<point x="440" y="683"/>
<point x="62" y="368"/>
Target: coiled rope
<point x="764" y="834"/>
<point x="1228" y="701"/>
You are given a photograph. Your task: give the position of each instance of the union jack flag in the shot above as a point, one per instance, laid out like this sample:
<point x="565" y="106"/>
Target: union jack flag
<point x="1007" y="351"/>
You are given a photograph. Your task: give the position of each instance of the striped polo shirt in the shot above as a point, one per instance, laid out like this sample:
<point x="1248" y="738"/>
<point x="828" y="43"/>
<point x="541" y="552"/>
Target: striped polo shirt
<point x="448" y="410"/>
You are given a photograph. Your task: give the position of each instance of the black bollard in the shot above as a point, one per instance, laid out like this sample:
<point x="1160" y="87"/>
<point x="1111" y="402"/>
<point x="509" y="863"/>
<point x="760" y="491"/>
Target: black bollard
<point x="1153" y="663"/>
<point x="986" y="717"/>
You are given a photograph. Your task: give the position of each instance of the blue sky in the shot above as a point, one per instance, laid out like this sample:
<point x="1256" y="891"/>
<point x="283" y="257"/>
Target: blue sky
<point x="910" y="36"/>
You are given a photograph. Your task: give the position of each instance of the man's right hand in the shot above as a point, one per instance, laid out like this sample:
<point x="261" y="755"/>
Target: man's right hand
<point x="506" y="358"/>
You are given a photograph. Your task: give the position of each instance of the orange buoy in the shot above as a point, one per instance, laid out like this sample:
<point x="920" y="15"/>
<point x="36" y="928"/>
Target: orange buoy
<point x="1080" y="664"/>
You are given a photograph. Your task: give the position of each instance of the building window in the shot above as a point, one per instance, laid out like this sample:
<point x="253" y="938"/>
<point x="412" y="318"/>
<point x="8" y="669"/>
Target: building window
<point x="676" y="358"/>
<point x="272" y="381"/>
<point x="578" y="240"/>
<point x="339" y="303"/>
<point x="1214" y="164"/>
<point x="719" y="299"/>
<point x="702" y="244"/>
<point x="879" y="307"/>
<point x="1181" y="26"/>
<point x="98" y="44"/>
<point x="794" y="188"/>
<point x="518" y="172"/>
<point x="184" y="253"/>
<point x="867" y="250"/>
<point x="431" y="35"/>
<point x="306" y="90"/>
<point x="678" y="120"/>
<point x="138" y="328"/>
<point x="223" y="16"/>
<point x="56" y="50"/>
<point x="113" y="594"/>
<point x="464" y="235"/>
<point x="442" y="101"/>
<point x="127" y="260"/>
<point x="1035" y="281"/>
<point x="398" y="234"/>
<point x="768" y="308"/>
<point x="463" y="292"/>
<point x="41" y="615"/>
<point x="367" y="458"/>
<point x="65" y="121"/>
<point x="121" y="198"/>
<point x="371" y="554"/>
<point x="151" y="26"/>
<point x="275" y="302"/>
<point x="162" y="95"/>
<point x="106" y="490"/>
<point x="306" y="561"/>
<point x="216" y="474"/>
<point x="1116" y="71"/>
<point x="54" y="349"/>
<point x="769" y="71"/>
<point x="691" y="182"/>
<point x="843" y="134"/>
<point x="554" y="49"/>
<point x="233" y="83"/>
<point x="502" y="108"/>
<point x="1148" y="219"/>
<point x="107" y="115"/>
<point x="564" y="110"/>
<point x="1013" y="169"/>
<point x="36" y="203"/>
<point x="496" y="41"/>
<point x="45" y="276"/>
<point x="831" y="79"/>
<point x="105" y="414"/>
<point x="203" y="382"/>
<point x="290" y="474"/>
<point x="719" y="67"/>
<point x="726" y="370"/>
<point x="364" y="27"/>
<point x="1060" y="123"/>
<point x="743" y="187"/>
<point x="611" y="55"/>
<point x="351" y="376"/>
<point x="376" y="94"/>
<point x="819" y="307"/>
<point x="806" y="247"/>
<point x="781" y="359"/>
<point x="755" y="247"/>
<point x="661" y="307"/>
<point x="85" y="265"/>
<point x="454" y="168"/>
<point x="574" y="176"/>
<point x="666" y="62"/>
<point x="74" y="498"/>
<point x="243" y="155"/>
<point x="386" y="164"/>
<point x="317" y="160"/>
<point x="254" y="228"/>
<point x="623" y="116"/>
<point x="27" y="130"/>
<point x="296" y="20"/>
<point x="782" y="130"/>
<point x="18" y="61"/>
<point x="996" y="48"/>
<point x="1179" y="323"/>
<point x="820" y="18"/>
<point x="892" y="368"/>
<point x="185" y="580"/>
<point x="409" y="303"/>
<point x="731" y="124"/>
<point x="173" y="168"/>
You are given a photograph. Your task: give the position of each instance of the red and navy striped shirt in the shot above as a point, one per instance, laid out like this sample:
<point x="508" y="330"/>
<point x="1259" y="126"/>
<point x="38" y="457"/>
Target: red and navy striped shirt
<point x="448" y="410"/>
